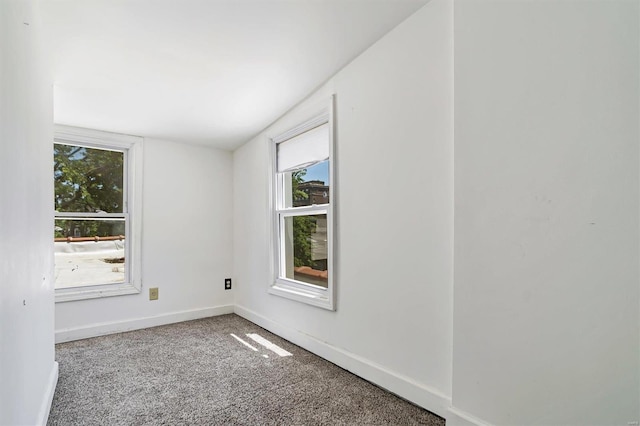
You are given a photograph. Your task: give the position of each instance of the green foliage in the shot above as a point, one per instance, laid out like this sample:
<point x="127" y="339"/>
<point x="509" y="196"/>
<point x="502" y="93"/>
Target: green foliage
<point x="87" y="180"/>
<point x="297" y="177"/>
<point x="303" y="226"/>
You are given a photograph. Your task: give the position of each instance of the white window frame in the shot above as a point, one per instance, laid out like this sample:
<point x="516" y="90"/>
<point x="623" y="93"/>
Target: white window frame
<point x="280" y="285"/>
<point x="132" y="146"/>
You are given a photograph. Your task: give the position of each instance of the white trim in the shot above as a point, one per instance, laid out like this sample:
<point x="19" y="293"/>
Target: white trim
<point x="45" y="408"/>
<point x="331" y="214"/>
<point x="94" y="292"/>
<point x="322" y="118"/>
<point x="93" y="138"/>
<point x="132" y="147"/>
<point x="294" y="290"/>
<point x="305" y="293"/>
<point x="456" y="417"/>
<point x="101" y="329"/>
<point x="134" y="184"/>
<point x="91" y="216"/>
<point x="403" y="386"/>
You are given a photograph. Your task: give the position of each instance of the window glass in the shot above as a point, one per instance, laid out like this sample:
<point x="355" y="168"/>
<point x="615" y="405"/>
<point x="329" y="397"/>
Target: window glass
<point x="305" y="249"/>
<point x="70" y="229"/>
<point x="89" y="252"/>
<point x="309" y="186"/>
<point x="91" y="218"/>
<point x="88" y="179"/>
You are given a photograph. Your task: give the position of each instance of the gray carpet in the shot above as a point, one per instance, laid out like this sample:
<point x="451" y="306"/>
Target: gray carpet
<point x="196" y="373"/>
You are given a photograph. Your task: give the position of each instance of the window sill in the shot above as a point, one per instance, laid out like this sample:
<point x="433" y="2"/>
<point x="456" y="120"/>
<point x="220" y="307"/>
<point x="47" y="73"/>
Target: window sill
<point x="310" y="296"/>
<point x="94" y="292"/>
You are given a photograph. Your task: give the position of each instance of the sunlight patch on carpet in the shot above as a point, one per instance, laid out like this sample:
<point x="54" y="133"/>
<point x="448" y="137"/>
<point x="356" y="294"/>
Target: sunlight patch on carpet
<point x="244" y="343"/>
<point x="267" y="344"/>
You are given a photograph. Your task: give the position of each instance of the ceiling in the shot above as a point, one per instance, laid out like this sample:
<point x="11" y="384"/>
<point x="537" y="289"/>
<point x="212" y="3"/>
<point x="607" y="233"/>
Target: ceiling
<point x="213" y="72"/>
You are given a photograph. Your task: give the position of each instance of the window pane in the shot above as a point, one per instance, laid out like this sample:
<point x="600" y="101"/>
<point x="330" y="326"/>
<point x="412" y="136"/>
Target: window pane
<point x="89" y="252"/>
<point x="88" y="179"/>
<point x="307" y="186"/>
<point x="305" y="251"/>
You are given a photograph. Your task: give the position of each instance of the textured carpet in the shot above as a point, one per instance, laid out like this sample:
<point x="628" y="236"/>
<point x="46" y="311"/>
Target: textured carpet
<point x="196" y="373"/>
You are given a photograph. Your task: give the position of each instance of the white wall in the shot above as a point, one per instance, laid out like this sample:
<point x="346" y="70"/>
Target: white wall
<point x="546" y="325"/>
<point x="187" y="245"/>
<point x="27" y="369"/>
<point x="394" y="195"/>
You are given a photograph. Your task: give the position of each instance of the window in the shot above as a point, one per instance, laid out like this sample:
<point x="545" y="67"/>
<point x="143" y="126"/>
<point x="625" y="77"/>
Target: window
<point x="97" y="215"/>
<point x="304" y="193"/>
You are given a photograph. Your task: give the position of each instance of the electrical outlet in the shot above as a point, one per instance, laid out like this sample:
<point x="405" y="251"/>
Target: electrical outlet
<point x="227" y="283"/>
<point x="153" y="293"/>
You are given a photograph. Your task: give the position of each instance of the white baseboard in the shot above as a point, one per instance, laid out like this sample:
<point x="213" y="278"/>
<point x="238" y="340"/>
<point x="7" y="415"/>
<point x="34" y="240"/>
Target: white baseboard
<point x="456" y="417"/>
<point x="101" y="329"/>
<point x="45" y="408"/>
<point x="403" y="386"/>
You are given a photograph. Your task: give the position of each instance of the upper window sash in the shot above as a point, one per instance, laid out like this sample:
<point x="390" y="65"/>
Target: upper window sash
<point x="301" y="147"/>
<point x="281" y="194"/>
<point x="87" y="138"/>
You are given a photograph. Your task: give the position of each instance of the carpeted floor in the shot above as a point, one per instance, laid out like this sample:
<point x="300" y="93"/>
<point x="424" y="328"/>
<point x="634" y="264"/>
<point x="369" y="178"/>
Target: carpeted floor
<point x="196" y="373"/>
